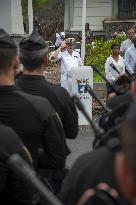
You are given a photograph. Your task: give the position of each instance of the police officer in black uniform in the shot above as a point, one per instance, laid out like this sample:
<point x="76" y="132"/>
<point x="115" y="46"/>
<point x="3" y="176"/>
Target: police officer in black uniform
<point x="32" y="117"/>
<point x="33" y="52"/>
<point x="12" y="188"/>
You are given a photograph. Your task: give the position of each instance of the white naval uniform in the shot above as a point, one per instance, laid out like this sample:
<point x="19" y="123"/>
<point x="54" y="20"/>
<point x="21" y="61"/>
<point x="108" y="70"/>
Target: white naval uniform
<point x="111" y="74"/>
<point x="67" y="63"/>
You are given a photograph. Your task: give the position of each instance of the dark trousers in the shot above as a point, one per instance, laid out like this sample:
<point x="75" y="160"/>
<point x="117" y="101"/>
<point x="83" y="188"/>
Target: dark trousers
<point x="53" y="176"/>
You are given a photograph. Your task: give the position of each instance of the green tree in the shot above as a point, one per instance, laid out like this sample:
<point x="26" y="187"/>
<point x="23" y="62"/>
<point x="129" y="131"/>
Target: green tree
<point x="37" y="4"/>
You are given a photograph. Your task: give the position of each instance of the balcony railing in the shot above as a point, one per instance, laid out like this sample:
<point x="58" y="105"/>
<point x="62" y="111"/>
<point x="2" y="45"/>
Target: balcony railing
<point x="127" y="9"/>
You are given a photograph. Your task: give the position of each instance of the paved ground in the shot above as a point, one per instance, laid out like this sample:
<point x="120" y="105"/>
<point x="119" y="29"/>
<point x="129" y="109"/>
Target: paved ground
<point x="82" y="144"/>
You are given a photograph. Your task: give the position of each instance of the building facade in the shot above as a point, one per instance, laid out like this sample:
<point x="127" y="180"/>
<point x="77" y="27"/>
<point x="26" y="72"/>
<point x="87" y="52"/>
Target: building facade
<point x="98" y="12"/>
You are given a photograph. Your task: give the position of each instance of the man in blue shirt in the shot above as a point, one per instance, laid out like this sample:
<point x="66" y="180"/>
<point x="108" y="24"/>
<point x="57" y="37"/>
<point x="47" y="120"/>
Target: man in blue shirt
<point x="130" y="58"/>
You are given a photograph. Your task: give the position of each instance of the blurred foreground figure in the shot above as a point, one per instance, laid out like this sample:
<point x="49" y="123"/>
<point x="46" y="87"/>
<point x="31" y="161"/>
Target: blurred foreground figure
<point x="125" y="161"/>
<point x="97" y="166"/>
<point x="102" y="194"/>
<point x="12" y="188"/>
<point x="90" y="170"/>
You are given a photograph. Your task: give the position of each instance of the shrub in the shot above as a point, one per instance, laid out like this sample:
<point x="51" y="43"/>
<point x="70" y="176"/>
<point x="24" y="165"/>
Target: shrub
<point x="98" y="53"/>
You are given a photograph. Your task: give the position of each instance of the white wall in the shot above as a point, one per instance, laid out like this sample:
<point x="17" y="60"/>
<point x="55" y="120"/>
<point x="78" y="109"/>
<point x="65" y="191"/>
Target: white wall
<point x="97" y="11"/>
<point x="17" y="18"/>
<point x="5" y="15"/>
<point x="11" y="18"/>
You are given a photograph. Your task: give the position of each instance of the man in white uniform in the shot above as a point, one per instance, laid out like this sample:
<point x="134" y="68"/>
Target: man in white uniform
<point x="69" y="59"/>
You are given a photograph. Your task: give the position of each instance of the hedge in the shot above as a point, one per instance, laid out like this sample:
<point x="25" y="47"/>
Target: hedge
<point x="97" y="53"/>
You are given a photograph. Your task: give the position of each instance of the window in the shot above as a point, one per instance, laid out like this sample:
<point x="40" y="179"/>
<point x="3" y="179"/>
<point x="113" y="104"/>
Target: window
<point x="127" y="9"/>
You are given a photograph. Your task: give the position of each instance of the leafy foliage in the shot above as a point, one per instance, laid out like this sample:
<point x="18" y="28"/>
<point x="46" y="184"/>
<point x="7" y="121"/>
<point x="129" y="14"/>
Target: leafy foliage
<point x="50" y="14"/>
<point x="37" y="4"/>
<point x="98" y="52"/>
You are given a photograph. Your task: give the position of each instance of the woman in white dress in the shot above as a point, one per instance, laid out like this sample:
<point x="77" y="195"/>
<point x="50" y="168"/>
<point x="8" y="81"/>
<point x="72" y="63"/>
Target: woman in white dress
<point x="114" y="66"/>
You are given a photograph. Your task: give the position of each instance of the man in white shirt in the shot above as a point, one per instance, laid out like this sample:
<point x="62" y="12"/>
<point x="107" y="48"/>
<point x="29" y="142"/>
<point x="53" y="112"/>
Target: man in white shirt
<point x="69" y="59"/>
<point x="130" y="58"/>
<point x="127" y="43"/>
<point x="114" y="65"/>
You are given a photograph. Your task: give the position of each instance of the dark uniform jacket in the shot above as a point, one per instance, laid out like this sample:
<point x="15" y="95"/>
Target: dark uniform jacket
<point x="57" y="96"/>
<point x="36" y="123"/>
<point x="119" y="106"/>
<point x="12" y="188"/>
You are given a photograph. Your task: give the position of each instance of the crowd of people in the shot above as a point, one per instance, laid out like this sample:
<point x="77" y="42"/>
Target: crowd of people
<point x="122" y="61"/>
<point x="37" y="116"/>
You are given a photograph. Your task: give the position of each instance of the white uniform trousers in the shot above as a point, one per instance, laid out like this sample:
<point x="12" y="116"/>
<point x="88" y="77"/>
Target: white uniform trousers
<point x="66" y="82"/>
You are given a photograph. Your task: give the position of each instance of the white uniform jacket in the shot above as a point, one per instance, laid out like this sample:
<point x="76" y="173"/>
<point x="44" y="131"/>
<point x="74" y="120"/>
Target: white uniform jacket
<point x="67" y="63"/>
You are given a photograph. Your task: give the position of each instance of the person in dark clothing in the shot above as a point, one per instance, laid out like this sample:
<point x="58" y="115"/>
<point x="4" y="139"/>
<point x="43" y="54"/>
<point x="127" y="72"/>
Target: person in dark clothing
<point x="88" y="171"/>
<point x="33" y="82"/>
<point x="32" y="117"/>
<point x="12" y="188"/>
<point x="125" y="161"/>
<point x="97" y="166"/>
<point x="117" y="100"/>
<point x="123" y="81"/>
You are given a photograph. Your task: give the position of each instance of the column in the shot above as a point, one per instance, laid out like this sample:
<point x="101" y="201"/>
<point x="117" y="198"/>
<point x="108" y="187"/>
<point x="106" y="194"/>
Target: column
<point x="67" y="16"/>
<point x="115" y="9"/>
<point x="11" y="18"/>
<point x="30" y="15"/>
<point x="83" y="30"/>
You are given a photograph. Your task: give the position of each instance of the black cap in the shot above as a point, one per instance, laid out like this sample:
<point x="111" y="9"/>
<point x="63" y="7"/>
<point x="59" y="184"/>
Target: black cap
<point x="33" y="42"/>
<point x="6" y="41"/>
